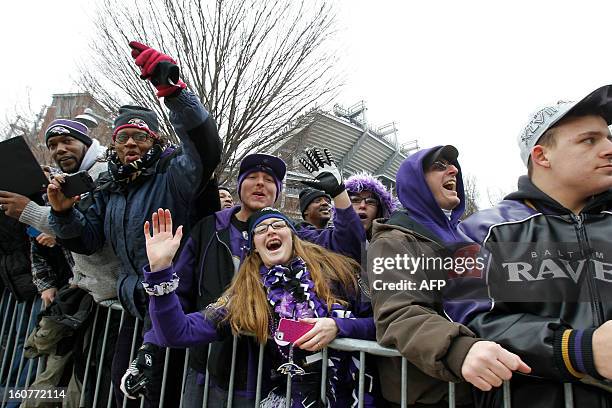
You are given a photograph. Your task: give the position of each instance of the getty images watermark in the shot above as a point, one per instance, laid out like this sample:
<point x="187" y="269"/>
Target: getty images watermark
<point x="420" y="271"/>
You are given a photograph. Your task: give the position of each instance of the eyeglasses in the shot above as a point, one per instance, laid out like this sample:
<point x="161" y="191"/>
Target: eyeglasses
<point x="371" y="201"/>
<point x="440" y="165"/>
<point x="263" y="228"/>
<point x="123" y="137"/>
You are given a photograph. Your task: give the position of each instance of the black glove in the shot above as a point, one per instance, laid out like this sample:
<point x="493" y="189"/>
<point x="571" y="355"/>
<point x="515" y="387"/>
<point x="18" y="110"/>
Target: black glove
<point x="159" y="68"/>
<point x="140" y="372"/>
<point x="326" y="174"/>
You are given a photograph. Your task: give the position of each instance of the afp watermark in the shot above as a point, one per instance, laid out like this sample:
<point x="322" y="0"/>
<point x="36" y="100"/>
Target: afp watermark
<point x="405" y="284"/>
<point x="420" y="272"/>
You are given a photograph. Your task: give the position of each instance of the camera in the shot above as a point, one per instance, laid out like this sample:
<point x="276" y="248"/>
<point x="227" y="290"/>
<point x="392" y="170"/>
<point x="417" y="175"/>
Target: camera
<point x="77" y="184"/>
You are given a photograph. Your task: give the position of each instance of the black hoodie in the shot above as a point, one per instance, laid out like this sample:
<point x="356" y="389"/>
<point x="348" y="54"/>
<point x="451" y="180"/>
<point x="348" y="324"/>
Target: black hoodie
<point x="15" y="267"/>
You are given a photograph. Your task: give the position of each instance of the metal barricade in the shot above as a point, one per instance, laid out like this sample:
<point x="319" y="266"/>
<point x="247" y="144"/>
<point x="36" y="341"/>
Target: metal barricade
<point x="363" y="347"/>
<point x="12" y="337"/>
<point x="12" y="319"/>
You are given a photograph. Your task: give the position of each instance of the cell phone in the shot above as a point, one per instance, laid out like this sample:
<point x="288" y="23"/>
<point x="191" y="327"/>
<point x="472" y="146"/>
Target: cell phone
<point x="165" y="73"/>
<point x="291" y="330"/>
<point x="77" y="184"/>
<point x="33" y="232"/>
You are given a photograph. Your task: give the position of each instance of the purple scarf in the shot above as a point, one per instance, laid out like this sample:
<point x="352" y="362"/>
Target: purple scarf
<point x="290" y="291"/>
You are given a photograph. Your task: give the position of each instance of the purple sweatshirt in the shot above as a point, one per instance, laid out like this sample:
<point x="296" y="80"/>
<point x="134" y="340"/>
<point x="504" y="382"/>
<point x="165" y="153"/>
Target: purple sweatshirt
<point x="174" y="328"/>
<point x="346" y="237"/>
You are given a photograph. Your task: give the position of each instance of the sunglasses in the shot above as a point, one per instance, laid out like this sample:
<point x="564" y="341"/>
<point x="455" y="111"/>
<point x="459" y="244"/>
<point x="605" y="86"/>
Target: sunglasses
<point x="371" y="201"/>
<point x="263" y="228"/>
<point x="123" y="137"/>
<point x="440" y="165"/>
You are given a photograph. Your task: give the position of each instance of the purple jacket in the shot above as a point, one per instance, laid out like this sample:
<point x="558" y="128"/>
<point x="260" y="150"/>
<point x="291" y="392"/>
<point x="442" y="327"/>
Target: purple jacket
<point x="176" y="329"/>
<point x="346" y="237"/>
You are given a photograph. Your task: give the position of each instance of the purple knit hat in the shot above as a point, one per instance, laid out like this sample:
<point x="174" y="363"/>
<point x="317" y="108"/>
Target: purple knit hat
<point x="367" y="182"/>
<point x="60" y="127"/>
<point x="272" y="165"/>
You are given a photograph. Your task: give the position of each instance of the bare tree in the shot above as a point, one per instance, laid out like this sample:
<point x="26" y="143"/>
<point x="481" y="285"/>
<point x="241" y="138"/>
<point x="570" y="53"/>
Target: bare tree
<point x="495" y="195"/>
<point x="471" y="195"/>
<point x="23" y="120"/>
<point x="256" y="65"/>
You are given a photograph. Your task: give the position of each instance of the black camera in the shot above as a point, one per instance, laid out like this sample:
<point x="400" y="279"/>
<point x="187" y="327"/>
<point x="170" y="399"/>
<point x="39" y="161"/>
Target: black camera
<point x="77" y="184"/>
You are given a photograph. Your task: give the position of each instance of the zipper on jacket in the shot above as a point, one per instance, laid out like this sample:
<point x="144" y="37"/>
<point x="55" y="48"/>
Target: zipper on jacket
<point x="580" y="231"/>
<point x="125" y="222"/>
<point x="229" y="251"/>
<point x="224" y="244"/>
<point x="203" y="260"/>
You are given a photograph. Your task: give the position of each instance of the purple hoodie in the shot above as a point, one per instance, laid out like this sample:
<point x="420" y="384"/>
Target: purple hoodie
<point x="414" y="194"/>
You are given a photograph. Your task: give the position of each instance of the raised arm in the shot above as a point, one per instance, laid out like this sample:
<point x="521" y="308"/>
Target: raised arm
<point x="348" y="236"/>
<point x="200" y="142"/>
<point x="172" y="327"/>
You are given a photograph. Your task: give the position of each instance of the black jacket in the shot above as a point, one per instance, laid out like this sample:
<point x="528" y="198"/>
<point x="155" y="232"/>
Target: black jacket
<point x="15" y="266"/>
<point x="213" y="254"/>
<point x="548" y="287"/>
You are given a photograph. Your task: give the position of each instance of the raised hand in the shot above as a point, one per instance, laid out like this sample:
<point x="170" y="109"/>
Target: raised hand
<point x="162" y="246"/>
<point x="321" y="165"/>
<point x="159" y="68"/>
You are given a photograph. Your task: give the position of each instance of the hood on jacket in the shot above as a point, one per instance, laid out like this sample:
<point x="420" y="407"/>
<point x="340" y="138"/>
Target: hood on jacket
<point x="367" y="182"/>
<point x="224" y="217"/>
<point x="416" y="197"/>
<point x="527" y="191"/>
<point x="94" y="152"/>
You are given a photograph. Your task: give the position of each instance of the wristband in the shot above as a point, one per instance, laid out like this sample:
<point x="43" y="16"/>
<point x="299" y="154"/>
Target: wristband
<point x="163" y="288"/>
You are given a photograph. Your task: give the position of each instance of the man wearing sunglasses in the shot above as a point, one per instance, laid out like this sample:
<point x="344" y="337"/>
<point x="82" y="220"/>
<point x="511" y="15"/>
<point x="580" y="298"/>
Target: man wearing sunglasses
<point x="403" y="254"/>
<point x="145" y="172"/>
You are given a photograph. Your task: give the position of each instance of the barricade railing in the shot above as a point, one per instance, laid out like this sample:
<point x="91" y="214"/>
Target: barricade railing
<point x="14" y="330"/>
<point x="9" y="309"/>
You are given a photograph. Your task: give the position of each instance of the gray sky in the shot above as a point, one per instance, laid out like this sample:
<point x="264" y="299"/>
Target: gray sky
<point x="466" y="73"/>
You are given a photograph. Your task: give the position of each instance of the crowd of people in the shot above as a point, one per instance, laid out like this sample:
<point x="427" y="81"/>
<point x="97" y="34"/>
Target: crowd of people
<point x="519" y="292"/>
